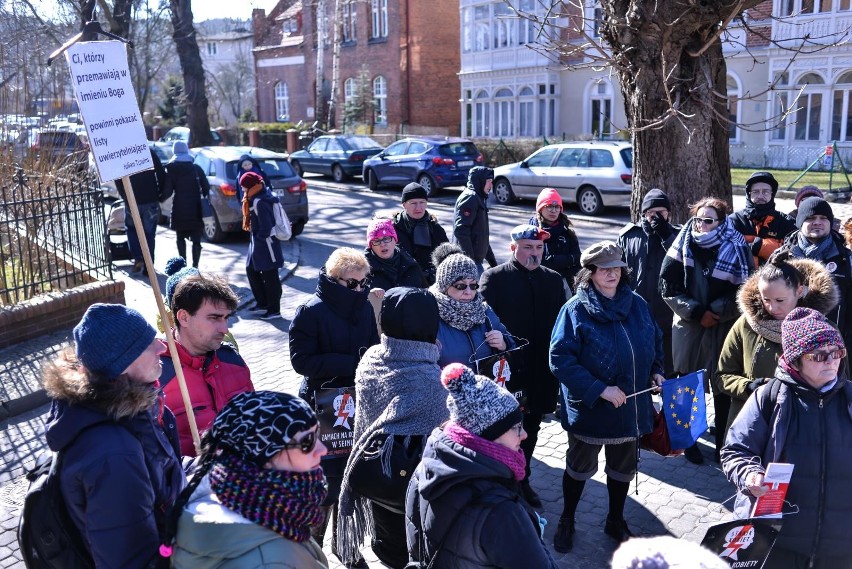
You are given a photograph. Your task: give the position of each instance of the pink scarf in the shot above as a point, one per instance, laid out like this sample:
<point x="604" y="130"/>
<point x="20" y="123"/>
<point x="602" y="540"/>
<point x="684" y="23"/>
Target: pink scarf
<point x="516" y="461"/>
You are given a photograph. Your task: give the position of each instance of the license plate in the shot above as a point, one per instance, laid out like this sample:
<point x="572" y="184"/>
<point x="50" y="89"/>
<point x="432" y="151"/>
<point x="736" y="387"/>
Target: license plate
<point x="466" y="163"/>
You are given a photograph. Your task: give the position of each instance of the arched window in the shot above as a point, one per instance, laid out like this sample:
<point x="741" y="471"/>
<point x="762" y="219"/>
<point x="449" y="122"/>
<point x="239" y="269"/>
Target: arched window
<point x="841" y="109"/>
<point x="526" y="110"/>
<point x="600" y="109"/>
<point x="482" y="115"/>
<point x="348" y="90"/>
<point x="504" y="113"/>
<point x="380" y="100"/>
<point x="282" y="102"/>
<point x="809" y="112"/>
<point x="734" y="96"/>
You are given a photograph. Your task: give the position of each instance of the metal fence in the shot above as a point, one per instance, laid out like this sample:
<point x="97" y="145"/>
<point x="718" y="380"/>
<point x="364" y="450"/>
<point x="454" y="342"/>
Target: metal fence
<point x="52" y="234"/>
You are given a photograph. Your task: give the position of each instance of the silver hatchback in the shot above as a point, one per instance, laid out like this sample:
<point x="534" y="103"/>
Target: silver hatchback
<point x="593" y="175"/>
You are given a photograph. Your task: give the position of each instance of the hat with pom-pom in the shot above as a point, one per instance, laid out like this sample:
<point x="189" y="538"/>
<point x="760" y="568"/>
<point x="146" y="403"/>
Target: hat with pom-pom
<point x="479" y="405"/>
<point x="176" y="270"/>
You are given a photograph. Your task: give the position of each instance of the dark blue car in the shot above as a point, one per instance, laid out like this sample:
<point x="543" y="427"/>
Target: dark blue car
<point x="434" y="162"/>
<point x="340" y="156"/>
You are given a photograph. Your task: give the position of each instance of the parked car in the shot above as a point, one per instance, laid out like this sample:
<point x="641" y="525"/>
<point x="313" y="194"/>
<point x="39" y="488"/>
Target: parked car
<point x="61" y="147"/>
<point x="593" y="174"/>
<point x="182" y="133"/>
<point x="221" y="163"/>
<point x="434" y="162"/>
<point x="339" y="155"/>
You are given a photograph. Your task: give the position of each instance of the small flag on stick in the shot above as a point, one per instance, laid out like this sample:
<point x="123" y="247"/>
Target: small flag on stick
<point x="685" y="409"/>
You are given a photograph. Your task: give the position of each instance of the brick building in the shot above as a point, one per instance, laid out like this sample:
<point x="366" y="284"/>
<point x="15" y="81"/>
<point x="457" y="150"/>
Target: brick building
<point x="401" y="56"/>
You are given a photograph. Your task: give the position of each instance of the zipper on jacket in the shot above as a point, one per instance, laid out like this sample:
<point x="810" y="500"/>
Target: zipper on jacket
<point x="821" y="501"/>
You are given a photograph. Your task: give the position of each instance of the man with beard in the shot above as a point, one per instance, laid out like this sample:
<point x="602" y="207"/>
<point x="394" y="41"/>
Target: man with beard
<point x="763" y="226"/>
<point x="527" y="298"/>
<point x="418" y="231"/>
<point x="214" y="371"/>
<point x="645" y="245"/>
<point x="470" y="217"/>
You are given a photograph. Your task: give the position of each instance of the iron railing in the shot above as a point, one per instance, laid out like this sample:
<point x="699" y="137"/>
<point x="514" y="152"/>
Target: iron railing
<point x="52" y="235"/>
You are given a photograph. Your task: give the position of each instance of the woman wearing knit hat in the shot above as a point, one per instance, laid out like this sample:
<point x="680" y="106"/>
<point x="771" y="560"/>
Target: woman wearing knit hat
<point x="187" y="182"/>
<point x="257" y="490"/>
<point x="117" y="445"/>
<point x="562" y="250"/>
<point x="390" y="266"/>
<point x="264" y="257"/>
<point x="801" y="417"/>
<point x="606" y="350"/>
<point x="469" y="330"/>
<point x="463" y="506"/>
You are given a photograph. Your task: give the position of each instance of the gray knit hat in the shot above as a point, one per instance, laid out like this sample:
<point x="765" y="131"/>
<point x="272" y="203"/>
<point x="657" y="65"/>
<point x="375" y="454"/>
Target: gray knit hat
<point x="479" y="405"/>
<point x="453" y="269"/>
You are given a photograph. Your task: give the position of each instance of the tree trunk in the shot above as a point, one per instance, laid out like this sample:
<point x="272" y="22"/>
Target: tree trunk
<point x="193" y="72"/>
<point x="337" y="38"/>
<point x="319" y="105"/>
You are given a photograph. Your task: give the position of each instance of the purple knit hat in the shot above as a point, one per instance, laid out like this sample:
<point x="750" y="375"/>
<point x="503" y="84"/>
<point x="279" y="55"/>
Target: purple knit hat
<point x="379" y="228"/>
<point x="805" y="330"/>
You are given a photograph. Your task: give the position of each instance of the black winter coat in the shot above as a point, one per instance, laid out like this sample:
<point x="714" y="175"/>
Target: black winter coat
<point x="470" y="226"/>
<point x="779" y="227"/>
<point x="527" y="303"/>
<point x="149" y="186"/>
<point x="188" y="183"/>
<point x="561" y="250"/>
<point x="399" y="270"/>
<point x="404" y="228"/>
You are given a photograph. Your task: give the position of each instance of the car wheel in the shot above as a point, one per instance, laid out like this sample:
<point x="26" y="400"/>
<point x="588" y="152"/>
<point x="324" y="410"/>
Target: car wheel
<point x="213" y="231"/>
<point x="589" y="201"/>
<point x="428" y="184"/>
<point x="297" y="228"/>
<point x="503" y="191"/>
<point x="372" y="182"/>
<point x="338" y="174"/>
<point x="298" y="168"/>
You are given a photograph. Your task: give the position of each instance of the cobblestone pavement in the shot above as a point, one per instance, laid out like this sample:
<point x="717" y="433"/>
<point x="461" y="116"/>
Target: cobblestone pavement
<point x="671" y="495"/>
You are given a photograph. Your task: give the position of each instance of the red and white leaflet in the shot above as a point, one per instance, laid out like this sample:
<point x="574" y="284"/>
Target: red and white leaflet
<point x="776" y="480"/>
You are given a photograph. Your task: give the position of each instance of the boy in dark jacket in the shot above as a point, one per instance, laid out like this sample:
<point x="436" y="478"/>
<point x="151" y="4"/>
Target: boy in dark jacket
<point x="119" y="473"/>
<point x="470" y="217"/>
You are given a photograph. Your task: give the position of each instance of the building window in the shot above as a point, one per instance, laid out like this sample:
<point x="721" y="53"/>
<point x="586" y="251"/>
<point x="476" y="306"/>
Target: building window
<point x="734" y="103"/>
<point x="482" y="24"/>
<point x="349" y="22"/>
<point x="528" y="28"/>
<point x="380" y="100"/>
<point x="595" y="19"/>
<point x="504" y="113"/>
<point x="526" y="113"/>
<point x="290" y="26"/>
<point x="282" y="102"/>
<point x="482" y="115"/>
<point x="809" y="111"/>
<point x="841" y="109"/>
<point x="600" y="109"/>
<point x="379" y="19"/>
<point x="505" y="28"/>
<point x="211" y="48"/>
<point x="779" y="108"/>
<point x="348" y="90"/>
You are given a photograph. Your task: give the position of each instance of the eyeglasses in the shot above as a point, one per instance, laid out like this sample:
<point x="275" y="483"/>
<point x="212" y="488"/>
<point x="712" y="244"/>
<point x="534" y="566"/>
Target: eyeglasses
<point x="519" y="428"/>
<point x="352" y="284"/>
<point x="382" y="241"/>
<point x="307" y="444"/>
<point x="705" y="220"/>
<point x="820" y="357"/>
<point x="554" y="207"/>
<point x="463" y="286"/>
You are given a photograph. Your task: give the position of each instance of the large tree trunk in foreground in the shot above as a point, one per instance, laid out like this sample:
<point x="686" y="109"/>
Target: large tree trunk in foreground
<point x="193" y="73"/>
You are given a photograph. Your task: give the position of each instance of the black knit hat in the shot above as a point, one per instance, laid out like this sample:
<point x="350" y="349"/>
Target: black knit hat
<point x="813" y="206"/>
<point x="655" y="198"/>
<point x="414" y="191"/>
<point x="410" y="314"/>
<point x="765" y="177"/>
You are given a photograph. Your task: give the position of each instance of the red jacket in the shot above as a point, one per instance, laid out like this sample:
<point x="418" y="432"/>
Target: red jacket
<point x="211" y="380"/>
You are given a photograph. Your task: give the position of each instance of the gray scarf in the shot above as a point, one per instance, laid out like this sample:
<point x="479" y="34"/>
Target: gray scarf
<point x="460" y="315"/>
<point x="398" y="391"/>
<point x="817" y="251"/>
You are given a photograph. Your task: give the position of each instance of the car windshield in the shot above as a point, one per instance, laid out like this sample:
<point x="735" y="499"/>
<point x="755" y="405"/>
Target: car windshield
<point x="361" y="142"/>
<point x="273" y="167"/>
<point x="627" y="156"/>
<point x="58" y="138"/>
<point x="458" y="149"/>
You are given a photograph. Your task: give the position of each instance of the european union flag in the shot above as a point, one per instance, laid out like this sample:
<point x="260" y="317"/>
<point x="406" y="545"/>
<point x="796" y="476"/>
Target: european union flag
<point x="685" y="409"/>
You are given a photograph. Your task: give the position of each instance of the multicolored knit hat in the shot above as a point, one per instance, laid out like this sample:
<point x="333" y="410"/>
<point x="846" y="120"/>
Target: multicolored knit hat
<point x="479" y="405"/>
<point x="176" y="270"/>
<point x="454" y="268"/>
<point x="380" y="228"/>
<point x="805" y="330"/>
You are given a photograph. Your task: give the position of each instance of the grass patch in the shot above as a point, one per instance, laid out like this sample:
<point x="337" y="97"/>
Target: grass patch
<point x="785" y="179"/>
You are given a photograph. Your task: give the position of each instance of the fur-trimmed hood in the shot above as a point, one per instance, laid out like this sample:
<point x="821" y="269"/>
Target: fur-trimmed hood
<point x="822" y="294"/>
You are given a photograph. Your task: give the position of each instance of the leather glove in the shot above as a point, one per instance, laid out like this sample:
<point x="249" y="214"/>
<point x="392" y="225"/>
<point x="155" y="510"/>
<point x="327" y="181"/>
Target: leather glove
<point x="709" y="319"/>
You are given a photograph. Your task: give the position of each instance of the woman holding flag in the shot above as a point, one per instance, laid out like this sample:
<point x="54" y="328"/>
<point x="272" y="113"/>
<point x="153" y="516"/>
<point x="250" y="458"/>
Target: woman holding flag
<point x="606" y="351"/>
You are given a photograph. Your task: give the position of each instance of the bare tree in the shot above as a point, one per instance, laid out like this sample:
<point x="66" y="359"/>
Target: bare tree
<point x="193" y="72"/>
<point x="232" y="84"/>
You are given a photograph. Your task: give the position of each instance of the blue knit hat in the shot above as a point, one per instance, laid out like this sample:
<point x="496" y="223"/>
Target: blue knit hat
<point x="110" y="337"/>
<point x="176" y="270"/>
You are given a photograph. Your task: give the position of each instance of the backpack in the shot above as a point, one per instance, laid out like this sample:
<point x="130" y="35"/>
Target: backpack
<point x="282" y="230"/>
<point x="768" y="398"/>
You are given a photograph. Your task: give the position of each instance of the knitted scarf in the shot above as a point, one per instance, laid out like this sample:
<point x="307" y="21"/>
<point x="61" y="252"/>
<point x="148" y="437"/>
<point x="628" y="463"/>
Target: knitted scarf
<point x="460" y="315"/>
<point x="516" y="461"/>
<point x="286" y="502"/>
<point x="817" y="251"/>
<point x="247" y="196"/>
<point x="769" y="329"/>
<point x="732" y="260"/>
<point x="398" y="391"/>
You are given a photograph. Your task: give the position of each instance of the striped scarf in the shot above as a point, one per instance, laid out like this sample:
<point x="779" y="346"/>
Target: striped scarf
<point x="732" y="260"/>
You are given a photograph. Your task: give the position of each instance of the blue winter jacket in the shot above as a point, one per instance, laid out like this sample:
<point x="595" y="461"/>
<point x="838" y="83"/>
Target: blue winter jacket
<point x="458" y="346"/>
<point x="599" y="342"/>
<point x="264" y="250"/>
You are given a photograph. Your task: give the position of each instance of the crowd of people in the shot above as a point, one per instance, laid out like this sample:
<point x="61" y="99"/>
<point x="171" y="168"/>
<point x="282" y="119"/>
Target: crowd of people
<point x="452" y="368"/>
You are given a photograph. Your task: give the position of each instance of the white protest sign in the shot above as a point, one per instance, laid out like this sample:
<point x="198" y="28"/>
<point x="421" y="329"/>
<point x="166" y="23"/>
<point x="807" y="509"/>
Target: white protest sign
<point x="108" y="105"/>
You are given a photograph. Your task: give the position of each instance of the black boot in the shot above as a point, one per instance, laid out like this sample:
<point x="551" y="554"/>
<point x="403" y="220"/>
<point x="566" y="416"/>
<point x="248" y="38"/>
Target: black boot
<point x="693" y="454"/>
<point x="617" y="529"/>
<point x="563" y="541"/>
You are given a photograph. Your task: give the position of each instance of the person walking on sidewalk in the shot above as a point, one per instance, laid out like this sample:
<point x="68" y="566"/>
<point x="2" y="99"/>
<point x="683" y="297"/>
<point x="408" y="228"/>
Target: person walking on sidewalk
<point x="187" y="182"/>
<point x="527" y="297"/>
<point x="418" y="230"/>
<point x="149" y="189"/>
<point x="264" y="257"/>
<point x="120" y="473"/>
<point x="470" y="217"/>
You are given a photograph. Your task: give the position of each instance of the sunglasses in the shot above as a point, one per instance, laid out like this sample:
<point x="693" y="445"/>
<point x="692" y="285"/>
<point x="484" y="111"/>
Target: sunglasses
<point x="463" y="286"/>
<point x="307" y="444"/>
<point x="705" y="220"/>
<point x="820" y="357"/>
<point x="352" y="284"/>
<point x="382" y="241"/>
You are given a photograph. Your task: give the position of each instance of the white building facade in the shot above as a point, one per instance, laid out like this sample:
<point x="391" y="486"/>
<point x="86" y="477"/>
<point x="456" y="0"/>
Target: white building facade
<point x="229" y="66"/>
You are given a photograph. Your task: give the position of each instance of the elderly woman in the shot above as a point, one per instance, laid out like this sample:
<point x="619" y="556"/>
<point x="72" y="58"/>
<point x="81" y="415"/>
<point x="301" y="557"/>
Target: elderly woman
<point x="464" y="507"/>
<point x="257" y="491"/>
<point x="752" y="348"/>
<point x="606" y="351"/>
<point x="704" y="266"/>
<point x="328" y="335"/>
<point x="469" y="330"/>
<point x="801" y="417"/>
